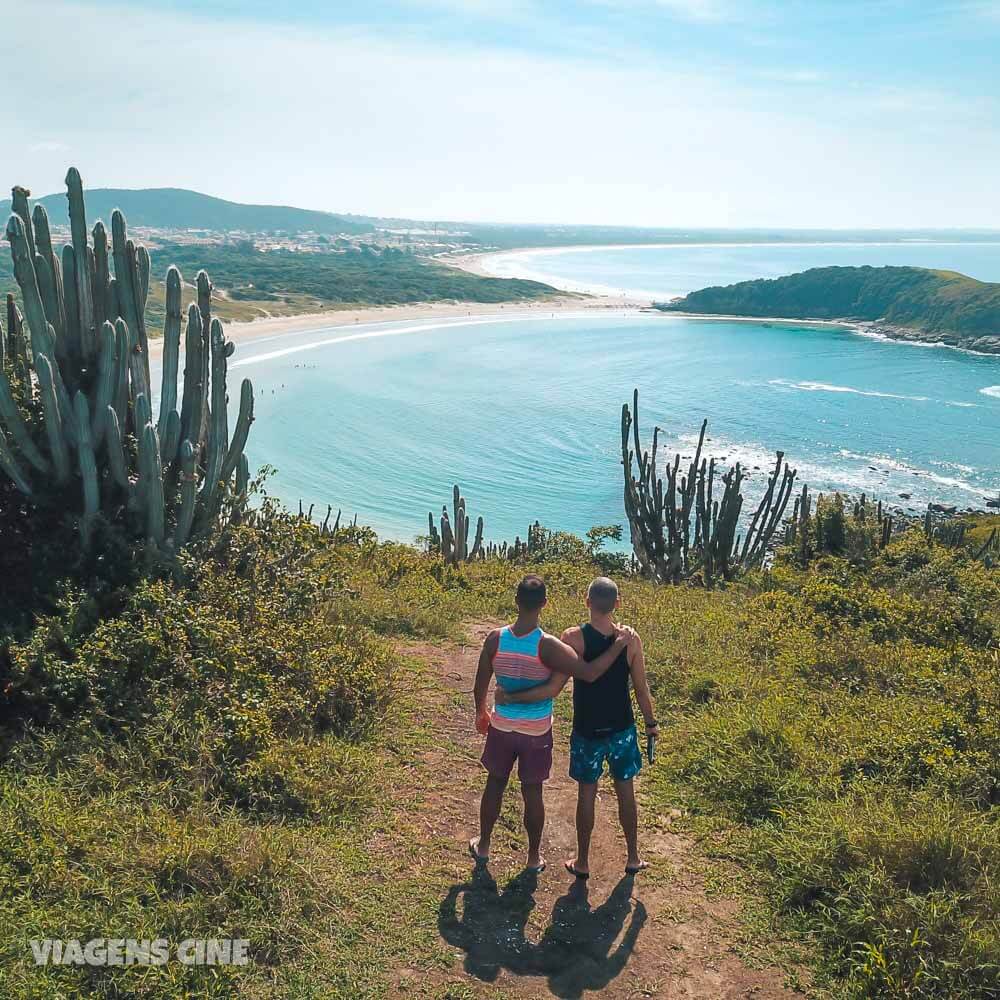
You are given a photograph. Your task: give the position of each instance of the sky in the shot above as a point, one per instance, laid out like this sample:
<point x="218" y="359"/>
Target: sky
<point x="776" y="113"/>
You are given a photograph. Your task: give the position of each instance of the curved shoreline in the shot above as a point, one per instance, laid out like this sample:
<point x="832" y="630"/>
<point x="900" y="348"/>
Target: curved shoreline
<point x="872" y="329"/>
<point x="274" y="327"/>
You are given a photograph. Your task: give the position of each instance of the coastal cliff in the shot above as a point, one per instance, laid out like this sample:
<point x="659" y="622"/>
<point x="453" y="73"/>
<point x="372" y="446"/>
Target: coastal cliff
<point x="905" y="303"/>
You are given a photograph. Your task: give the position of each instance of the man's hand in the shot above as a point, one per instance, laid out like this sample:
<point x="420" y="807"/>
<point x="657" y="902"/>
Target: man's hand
<point x="628" y="633"/>
<point x="564" y="659"/>
<point x="483" y="721"/>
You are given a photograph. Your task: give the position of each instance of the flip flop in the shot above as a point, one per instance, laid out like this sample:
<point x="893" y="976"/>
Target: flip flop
<point x="571" y="868"/>
<point x="635" y="869"/>
<point x="535" y="869"/>
<point x="481" y="860"/>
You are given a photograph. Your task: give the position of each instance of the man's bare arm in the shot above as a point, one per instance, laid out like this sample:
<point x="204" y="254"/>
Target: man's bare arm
<point x="547" y="689"/>
<point x="637" y="668"/>
<point x="562" y="658"/>
<point x="484" y="673"/>
<point x="551" y="687"/>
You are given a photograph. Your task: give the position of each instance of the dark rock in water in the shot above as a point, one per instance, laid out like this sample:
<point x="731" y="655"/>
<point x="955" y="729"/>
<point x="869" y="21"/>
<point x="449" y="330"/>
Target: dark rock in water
<point x="873" y="469"/>
<point x="905" y="496"/>
<point x="993" y="502"/>
<point x="940" y="508"/>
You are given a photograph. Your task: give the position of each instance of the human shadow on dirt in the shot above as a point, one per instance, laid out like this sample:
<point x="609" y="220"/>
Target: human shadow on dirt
<point x="576" y="952"/>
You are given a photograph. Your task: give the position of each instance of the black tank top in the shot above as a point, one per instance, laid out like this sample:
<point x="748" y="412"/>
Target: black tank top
<point x="603" y="706"/>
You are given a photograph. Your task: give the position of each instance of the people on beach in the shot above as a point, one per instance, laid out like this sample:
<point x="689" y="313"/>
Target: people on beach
<point x="523" y="657"/>
<point x="603" y="721"/>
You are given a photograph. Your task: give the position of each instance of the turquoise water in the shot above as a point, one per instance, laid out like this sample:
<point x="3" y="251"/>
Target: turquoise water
<point x="524" y="413"/>
<point x="663" y="272"/>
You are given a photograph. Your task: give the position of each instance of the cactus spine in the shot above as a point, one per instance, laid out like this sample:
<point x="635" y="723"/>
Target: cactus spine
<point x="79" y="367"/>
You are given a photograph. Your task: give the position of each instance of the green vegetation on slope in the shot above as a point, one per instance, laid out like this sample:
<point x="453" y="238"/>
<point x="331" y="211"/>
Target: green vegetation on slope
<point x="279" y="282"/>
<point x="386" y="277"/>
<point x="939" y="304"/>
<point x="223" y="756"/>
<point x="177" y="208"/>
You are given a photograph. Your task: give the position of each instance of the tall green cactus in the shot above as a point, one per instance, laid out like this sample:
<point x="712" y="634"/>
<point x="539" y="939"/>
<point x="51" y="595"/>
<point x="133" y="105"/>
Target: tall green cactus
<point x="77" y="432"/>
<point x="679" y="528"/>
<point x="453" y="540"/>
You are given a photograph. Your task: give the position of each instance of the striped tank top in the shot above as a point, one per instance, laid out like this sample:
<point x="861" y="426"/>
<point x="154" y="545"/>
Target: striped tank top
<point x="517" y="666"/>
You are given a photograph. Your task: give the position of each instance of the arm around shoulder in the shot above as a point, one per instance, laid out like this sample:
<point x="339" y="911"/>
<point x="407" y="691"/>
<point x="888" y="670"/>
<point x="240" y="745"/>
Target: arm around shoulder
<point x="560" y="656"/>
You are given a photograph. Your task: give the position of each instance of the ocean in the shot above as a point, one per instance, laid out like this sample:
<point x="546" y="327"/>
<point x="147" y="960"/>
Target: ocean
<point x="524" y="411"/>
<point x="660" y="273"/>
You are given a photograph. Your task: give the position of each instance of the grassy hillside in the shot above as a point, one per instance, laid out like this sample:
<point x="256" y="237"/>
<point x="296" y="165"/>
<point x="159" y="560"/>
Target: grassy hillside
<point x="281" y="282"/>
<point x="242" y="754"/>
<point x="177" y="208"/>
<point x="939" y="304"/>
<point x="387" y="277"/>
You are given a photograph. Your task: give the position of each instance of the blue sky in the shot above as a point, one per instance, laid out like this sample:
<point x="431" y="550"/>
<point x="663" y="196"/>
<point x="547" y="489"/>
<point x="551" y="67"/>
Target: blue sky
<point x="643" y="112"/>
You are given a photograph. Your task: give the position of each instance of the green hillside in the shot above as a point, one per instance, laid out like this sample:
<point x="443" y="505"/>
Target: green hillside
<point x="255" y="283"/>
<point x="910" y="301"/>
<point x="379" y="277"/>
<point x="176" y="208"/>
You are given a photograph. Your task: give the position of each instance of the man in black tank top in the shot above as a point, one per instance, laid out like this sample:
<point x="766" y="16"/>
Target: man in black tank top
<point x="603" y="724"/>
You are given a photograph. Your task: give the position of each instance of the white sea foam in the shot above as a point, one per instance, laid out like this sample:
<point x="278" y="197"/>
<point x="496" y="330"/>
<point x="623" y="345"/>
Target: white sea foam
<point x="806" y="386"/>
<point x="904" y="468"/>
<point x="399" y="331"/>
<point x="852" y="475"/>
<point x="991" y="390"/>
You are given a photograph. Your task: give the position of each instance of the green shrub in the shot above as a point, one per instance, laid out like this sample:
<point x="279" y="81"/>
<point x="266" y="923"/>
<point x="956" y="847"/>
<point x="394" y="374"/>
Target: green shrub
<point x="903" y="892"/>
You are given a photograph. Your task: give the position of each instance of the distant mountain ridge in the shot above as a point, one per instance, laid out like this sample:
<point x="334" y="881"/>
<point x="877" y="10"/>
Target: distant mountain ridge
<point x="908" y="303"/>
<point x="181" y="208"/>
<point x="178" y="208"/>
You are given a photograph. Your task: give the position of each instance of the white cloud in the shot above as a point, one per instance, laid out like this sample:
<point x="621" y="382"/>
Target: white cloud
<point x="346" y="121"/>
<point x="48" y="146"/>
<point x="698" y="10"/>
<point x="989" y="10"/>
<point x="793" y="75"/>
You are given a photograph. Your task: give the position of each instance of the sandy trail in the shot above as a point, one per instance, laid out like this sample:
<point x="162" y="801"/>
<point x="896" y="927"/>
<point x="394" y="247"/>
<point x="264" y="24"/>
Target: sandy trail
<point x="513" y="935"/>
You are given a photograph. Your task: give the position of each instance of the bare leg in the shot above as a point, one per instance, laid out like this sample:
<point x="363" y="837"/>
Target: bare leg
<point x="628" y="815"/>
<point x="586" y="799"/>
<point x="489" y="813"/>
<point x="534" y="821"/>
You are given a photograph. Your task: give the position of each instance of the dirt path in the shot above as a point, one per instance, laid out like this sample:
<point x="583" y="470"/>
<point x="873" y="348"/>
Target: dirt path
<point x="508" y="934"/>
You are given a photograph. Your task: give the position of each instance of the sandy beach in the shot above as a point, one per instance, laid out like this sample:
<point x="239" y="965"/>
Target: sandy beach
<point x="276" y="326"/>
<point x="476" y="263"/>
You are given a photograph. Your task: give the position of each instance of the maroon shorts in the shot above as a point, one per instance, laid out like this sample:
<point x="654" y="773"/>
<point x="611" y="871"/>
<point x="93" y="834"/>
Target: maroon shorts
<point x="532" y="753"/>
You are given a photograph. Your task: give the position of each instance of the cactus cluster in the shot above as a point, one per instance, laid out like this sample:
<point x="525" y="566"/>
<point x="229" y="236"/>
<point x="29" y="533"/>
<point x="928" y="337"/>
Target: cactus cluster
<point x="452" y="542"/>
<point x="518" y="550"/>
<point x="680" y="527"/>
<point x="77" y="429"/>
<point x="324" y="527"/>
<point x="829" y="531"/>
<point x="884" y="521"/>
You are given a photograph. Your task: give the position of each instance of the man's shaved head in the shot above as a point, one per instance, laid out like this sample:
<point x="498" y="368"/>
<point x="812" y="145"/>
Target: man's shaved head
<point x="603" y="595"/>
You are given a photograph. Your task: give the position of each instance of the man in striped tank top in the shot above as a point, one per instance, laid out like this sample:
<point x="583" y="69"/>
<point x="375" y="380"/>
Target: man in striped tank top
<point x="522" y="656"/>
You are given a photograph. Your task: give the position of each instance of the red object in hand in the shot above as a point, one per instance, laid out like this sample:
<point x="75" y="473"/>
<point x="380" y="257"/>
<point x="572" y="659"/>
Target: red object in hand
<point x="483" y="722"/>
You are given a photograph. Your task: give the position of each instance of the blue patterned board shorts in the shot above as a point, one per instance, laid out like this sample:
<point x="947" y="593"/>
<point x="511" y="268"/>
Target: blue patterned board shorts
<point x="620" y="750"/>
